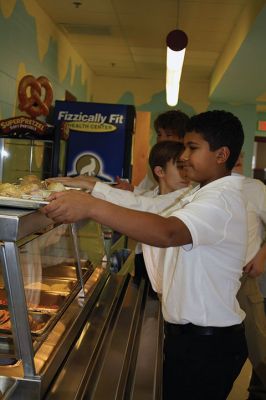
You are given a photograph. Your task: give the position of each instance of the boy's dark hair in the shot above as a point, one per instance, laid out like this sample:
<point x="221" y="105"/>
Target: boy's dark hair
<point x="163" y="152"/>
<point x="220" y="128"/>
<point x="174" y="121"/>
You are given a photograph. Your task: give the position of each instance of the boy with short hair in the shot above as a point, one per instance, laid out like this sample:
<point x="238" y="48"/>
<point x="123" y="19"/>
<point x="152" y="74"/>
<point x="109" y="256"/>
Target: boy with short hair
<point x="205" y="239"/>
<point x="170" y="126"/>
<point x="168" y="172"/>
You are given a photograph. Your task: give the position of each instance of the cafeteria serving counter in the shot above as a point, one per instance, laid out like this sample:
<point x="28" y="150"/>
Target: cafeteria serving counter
<point x="70" y="328"/>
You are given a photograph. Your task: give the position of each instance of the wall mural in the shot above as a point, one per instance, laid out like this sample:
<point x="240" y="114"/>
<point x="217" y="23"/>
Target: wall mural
<point x="155" y="106"/>
<point x="28" y="48"/>
<point x="30" y="45"/>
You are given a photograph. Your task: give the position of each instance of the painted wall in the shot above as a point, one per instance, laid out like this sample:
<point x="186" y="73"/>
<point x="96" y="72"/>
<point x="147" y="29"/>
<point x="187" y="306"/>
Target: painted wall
<point x="31" y="44"/>
<point x="148" y="95"/>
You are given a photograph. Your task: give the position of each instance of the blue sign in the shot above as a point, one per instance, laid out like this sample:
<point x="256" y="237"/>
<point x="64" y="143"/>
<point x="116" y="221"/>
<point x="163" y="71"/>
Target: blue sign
<point x="100" y="138"/>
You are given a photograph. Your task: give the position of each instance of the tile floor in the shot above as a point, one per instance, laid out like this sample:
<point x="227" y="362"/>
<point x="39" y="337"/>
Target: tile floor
<point x="239" y="391"/>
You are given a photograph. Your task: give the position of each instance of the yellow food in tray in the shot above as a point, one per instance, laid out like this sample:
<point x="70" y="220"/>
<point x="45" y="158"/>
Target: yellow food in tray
<point x="9" y="190"/>
<point x="29" y="187"/>
<point x="56" y="187"/>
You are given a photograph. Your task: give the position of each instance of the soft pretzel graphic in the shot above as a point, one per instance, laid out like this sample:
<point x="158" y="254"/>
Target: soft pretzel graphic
<point x="33" y="104"/>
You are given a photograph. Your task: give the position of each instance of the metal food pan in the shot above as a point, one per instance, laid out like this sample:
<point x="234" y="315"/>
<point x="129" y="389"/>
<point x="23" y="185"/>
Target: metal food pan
<point x="44" y="301"/>
<point x="38" y="321"/>
<point x="38" y="300"/>
<point x="7" y="386"/>
<point x="6" y="348"/>
<point x="4" y="319"/>
<point x="3" y="297"/>
<point x="63" y="286"/>
<point x="62" y="272"/>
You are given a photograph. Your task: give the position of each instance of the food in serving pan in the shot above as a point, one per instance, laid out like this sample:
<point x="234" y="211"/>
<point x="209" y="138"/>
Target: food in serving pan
<point x="30" y="187"/>
<point x="30" y="179"/>
<point x="51" y="285"/>
<point x="47" y="301"/>
<point x="3" y="302"/>
<point x="56" y="186"/>
<point x="4" y="318"/>
<point x="40" y="301"/>
<point x="9" y="190"/>
<point x="38" y="321"/>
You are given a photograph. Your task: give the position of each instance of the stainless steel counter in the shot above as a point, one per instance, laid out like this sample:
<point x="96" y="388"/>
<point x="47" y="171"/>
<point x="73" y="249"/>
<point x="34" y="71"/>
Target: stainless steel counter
<point x="118" y="354"/>
<point x="105" y="342"/>
<point x="16" y="224"/>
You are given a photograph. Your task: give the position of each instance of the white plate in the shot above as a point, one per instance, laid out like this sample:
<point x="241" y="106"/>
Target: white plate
<point x="22" y="203"/>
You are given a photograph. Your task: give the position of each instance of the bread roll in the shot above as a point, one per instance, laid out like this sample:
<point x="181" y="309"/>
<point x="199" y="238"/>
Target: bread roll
<point x="56" y="186"/>
<point x="30" y="179"/>
<point x="29" y="188"/>
<point x="9" y="190"/>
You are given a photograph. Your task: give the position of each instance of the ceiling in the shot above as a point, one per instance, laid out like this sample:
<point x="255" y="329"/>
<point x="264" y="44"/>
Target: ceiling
<point x="126" y="38"/>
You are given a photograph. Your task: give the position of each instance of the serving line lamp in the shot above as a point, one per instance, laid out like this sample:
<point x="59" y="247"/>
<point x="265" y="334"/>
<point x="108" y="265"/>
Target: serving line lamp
<point x="176" y="42"/>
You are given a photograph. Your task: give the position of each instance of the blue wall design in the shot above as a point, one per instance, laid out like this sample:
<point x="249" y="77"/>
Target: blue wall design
<point x="18" y="43"/>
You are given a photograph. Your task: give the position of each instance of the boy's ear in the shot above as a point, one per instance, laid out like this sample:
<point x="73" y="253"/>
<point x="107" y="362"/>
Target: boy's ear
<point x="222" y="154"/>
<point x="158" y="171"/>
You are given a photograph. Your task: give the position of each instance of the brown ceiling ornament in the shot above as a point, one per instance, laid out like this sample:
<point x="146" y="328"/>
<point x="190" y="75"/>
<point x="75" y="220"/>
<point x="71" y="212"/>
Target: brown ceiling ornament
<point x="30" y="95"/>
<point x="177" y="40"/>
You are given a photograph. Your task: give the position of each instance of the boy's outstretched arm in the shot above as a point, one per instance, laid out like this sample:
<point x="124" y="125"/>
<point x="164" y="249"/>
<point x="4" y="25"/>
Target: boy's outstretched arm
<point x="152" y="229"/>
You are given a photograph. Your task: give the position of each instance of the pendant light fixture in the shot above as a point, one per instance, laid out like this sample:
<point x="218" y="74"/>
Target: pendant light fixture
<point x="176" y="42"/>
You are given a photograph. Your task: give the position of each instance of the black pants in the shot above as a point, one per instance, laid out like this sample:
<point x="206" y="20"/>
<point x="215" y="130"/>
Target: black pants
<point x="140" y="268"/>
<point x="141" y="273"/>
<point x="202" y="367"/>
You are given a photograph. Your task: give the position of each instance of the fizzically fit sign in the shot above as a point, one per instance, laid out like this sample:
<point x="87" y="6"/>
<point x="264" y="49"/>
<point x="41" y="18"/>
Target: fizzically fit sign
<point x="96" y="122"/>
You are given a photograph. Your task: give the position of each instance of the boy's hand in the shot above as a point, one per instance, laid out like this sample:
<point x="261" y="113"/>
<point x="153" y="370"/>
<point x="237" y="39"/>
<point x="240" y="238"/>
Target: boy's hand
<point x="256" y="266"/>
<point x="68" y="206"/>
<point x="124" y="185"/>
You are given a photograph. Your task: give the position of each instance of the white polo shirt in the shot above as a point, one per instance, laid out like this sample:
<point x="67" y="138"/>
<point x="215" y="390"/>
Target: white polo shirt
<point x="147" y="183"/>
<point x="254" y="192"/>
<point x="201" y="280"/>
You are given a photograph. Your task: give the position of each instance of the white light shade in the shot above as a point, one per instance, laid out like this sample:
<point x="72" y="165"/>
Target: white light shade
<point x="176" y="42"/>
<point x="174" y="64"/>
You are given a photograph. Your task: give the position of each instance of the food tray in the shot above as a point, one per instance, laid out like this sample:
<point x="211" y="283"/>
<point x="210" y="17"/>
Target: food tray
<point x="47" y="301"/>
<point x="51" y="285"/>
<point x="62" y="272"/>
<point x="38" y="322"/>
<point x="38" y="300"/>
<point x="31" y="204"/>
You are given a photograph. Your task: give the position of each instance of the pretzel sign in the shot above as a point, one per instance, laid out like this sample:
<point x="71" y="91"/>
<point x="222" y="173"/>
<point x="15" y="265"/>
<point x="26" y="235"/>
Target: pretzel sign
<point x="33" y="104"/>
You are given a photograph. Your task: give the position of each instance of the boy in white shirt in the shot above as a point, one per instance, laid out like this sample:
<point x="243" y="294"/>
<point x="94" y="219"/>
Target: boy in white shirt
<point x="249" y="295"/>
<point x="170" y="126"/>
<point x="205" y="240"/>
<point x="172" y="184"/>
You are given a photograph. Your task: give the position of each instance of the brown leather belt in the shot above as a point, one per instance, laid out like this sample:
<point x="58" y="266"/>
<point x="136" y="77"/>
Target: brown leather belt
<point x="191" y="329"/>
